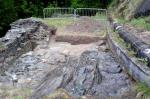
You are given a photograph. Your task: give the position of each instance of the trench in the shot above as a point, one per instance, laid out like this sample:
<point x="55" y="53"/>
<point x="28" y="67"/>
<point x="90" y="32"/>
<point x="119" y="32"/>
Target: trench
<point x="81" y="65"/>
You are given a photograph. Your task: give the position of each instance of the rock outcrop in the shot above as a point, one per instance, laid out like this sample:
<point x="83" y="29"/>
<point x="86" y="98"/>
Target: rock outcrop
<point x="23" y="36"/>
<point x="94" y="73"/>
<point x="129" y="9"/>
<point x="82" y="70"/>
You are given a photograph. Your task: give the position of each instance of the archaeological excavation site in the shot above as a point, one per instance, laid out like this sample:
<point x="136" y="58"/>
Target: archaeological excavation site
<point x="75" y="60"/>
<point x="82" y="53"/>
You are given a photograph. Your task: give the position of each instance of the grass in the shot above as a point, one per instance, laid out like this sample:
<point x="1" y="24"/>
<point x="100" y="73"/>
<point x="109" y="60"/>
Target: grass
<point x="100" y="17"/>
<point x="14" y="93"/>
<point x="58" y="22"/>
<point x="139" y="23"/>
<point x="61" y="22"/>
<point x="59" y="94"/>
<point x="143" y="89"/>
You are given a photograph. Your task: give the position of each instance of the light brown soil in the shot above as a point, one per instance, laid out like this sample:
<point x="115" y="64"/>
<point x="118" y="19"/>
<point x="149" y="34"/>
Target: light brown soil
<point x="84" y="26"/>
<point x="78" y="39"/>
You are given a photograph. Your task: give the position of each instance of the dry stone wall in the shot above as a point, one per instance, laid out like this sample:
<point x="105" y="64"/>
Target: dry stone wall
<point x="23" y="36"/>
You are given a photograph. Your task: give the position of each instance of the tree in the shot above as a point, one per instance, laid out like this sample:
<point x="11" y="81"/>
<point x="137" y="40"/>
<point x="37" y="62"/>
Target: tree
<point x="10" y="10"/>
<point x="90" y="3"/>
<point x="7" y="15"/>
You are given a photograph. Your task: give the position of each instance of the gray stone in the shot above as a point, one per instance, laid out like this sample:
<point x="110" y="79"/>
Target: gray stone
<point x="23" y="32"/>
<point x="54" y="84"/>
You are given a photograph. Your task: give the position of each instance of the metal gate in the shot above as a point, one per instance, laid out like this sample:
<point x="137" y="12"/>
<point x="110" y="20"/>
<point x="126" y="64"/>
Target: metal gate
<point x="100" y="14"/>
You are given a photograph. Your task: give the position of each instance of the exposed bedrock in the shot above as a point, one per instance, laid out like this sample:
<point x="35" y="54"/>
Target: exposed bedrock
<point x="23" y="36"/>
<point x="90" y="74"/>
<point x="77" y="68"/>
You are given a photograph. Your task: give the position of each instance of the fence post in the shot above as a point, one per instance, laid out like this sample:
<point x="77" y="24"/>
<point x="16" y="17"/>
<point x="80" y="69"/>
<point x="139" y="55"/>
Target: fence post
<point x="75" y="13"/>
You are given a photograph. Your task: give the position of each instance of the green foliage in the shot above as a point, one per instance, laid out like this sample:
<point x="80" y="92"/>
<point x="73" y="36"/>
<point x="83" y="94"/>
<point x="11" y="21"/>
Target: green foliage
<point x="11" y="10"/>
<point x="139" y="23"/>
<point x="7" y="14"/>
<point x="8" y="92"/>
<point x="142" y="87"/>
<point x="58" y="22"/>
<point x="113" y="3"/>
<point x="90" y="3"/>
<point x="143" y="60"/>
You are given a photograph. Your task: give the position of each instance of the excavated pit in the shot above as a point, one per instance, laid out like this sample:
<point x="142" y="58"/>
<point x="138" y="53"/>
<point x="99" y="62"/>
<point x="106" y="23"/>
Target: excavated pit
<point x="78" y="39"/>
<point x="80" y="65"/>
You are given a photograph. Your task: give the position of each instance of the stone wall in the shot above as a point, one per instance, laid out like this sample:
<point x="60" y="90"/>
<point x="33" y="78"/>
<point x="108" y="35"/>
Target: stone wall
<point x="23" y="36"/>
<point x="137" y="71"/>
<point x="141" y="48"/>
<point x="140" y="72"/>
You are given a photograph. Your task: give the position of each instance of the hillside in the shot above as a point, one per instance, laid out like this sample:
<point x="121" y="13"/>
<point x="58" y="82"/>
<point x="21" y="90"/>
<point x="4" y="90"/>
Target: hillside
<point x="129" y="9"/>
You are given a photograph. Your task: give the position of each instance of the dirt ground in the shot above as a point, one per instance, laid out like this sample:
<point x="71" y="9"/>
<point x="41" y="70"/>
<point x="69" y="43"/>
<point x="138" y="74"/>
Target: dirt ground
<point x="84" y="26"/>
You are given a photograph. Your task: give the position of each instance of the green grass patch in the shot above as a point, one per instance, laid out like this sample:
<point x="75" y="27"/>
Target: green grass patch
<point x="14" y="93"/>
<point x="139" y="23"/>
<point x="100" y="16"/>
<point x="58" y="22"/>
<point x="144" y="89"/>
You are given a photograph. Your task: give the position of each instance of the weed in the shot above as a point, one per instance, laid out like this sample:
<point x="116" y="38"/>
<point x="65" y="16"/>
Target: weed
<point x="144" y="89"/>
<point x="143" y="60"/>
<point x="139" y="23"/>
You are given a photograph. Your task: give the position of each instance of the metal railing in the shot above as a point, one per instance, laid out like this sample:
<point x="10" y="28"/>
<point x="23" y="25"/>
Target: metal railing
<point x="58" y="12"/>
<point x="74" y="13"/>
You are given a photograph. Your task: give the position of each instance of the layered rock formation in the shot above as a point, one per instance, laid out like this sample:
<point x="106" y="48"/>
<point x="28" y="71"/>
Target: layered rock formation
<point x="79" y="70"/>
<point x="91" y="75"/>
<point x="23" y="36"/>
